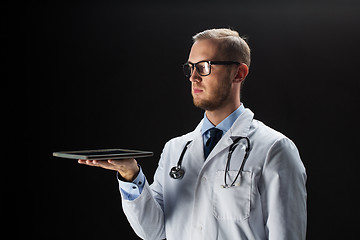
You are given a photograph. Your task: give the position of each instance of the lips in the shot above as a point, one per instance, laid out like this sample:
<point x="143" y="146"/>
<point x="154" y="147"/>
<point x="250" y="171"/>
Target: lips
<point x="197" y="90"/>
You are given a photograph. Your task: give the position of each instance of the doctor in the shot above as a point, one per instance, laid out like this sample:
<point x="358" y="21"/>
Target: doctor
<point x="233" y="177"/>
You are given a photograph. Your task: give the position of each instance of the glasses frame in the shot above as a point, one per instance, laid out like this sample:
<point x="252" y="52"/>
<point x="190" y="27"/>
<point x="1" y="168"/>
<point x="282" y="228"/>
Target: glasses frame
<point x="194" y="66"/>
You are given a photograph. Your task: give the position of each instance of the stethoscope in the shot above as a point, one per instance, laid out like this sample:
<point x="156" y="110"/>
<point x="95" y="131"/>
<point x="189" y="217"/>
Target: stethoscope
<point x="177" y="172"/>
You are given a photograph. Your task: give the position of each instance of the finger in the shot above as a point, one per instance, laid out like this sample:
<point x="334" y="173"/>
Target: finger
<point x="95" y="163"/>
<point x="118" y="165"/>
<point x="103" y="164"/>
<point x="86" y="162"/>
<point x="125" y="166"/>
<point x="90" y="162"/>
<point x="114" y="162"/>
<point x="122" y="162"/>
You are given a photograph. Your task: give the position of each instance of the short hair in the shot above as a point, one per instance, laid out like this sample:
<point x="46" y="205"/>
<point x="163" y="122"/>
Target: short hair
<point x="234" y="45"/>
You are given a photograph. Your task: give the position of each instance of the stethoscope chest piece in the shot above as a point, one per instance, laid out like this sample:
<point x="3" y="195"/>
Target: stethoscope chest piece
<point x="176" y="172"/>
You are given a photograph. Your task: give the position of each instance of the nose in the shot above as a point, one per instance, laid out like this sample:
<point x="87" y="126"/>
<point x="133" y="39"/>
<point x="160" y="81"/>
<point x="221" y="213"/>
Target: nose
<point x="195" y="77"/>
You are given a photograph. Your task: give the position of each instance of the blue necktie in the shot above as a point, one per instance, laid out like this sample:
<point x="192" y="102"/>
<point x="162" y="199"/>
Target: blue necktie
<point x="215" y="135"/>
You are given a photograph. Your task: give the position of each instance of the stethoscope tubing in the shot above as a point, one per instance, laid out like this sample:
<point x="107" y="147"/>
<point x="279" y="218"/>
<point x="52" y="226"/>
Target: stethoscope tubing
<point x="231" y="150"/>
<point x="178" y="173"/>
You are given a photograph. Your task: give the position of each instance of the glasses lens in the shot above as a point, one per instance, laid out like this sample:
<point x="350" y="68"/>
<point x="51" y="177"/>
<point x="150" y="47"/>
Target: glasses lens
<point x="187" y="69"/>
<point x="203" y="68"/>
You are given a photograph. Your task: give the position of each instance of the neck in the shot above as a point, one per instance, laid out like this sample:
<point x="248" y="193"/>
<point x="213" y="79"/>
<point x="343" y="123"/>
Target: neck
<point x="218" y="115"/>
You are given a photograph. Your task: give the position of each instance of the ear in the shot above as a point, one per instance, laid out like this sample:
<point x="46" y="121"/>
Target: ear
<point x="242" y="72"/>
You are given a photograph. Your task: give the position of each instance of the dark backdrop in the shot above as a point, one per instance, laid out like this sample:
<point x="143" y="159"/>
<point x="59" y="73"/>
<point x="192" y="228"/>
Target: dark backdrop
<point x="108" y="75"/>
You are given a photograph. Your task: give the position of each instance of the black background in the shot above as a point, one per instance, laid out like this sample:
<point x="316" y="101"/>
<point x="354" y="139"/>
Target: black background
<point x="90" y="75"/>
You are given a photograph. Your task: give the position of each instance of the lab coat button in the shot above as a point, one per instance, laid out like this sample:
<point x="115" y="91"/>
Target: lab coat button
<point x="203" y="179"/>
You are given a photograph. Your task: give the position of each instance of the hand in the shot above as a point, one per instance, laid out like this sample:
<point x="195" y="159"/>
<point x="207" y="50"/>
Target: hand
<point x="127" y="168"/>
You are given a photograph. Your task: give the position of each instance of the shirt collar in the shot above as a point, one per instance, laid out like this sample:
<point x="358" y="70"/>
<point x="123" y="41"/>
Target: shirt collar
<point x="226" y="124"/>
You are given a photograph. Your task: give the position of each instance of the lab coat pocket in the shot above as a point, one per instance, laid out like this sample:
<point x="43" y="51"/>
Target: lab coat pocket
<point x="232" y="203"/>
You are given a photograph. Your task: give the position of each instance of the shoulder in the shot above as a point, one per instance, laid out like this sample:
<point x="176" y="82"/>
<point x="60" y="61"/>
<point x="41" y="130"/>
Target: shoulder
<point x="264" y="137"/>
<point x="264" y="133"/>
<point x="272" y="144"/>
<point x="180" y="140"/>
<point x="173" y="148"/>
<point x="279" y="150"/>
<point x="183" y="139"/>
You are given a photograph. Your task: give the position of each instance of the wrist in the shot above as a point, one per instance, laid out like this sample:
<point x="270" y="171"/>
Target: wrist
<point x="129" y="176"/>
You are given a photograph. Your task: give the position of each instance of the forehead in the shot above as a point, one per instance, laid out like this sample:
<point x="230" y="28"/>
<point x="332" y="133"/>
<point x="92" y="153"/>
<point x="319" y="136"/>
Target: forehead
<point x="205" y="50"/>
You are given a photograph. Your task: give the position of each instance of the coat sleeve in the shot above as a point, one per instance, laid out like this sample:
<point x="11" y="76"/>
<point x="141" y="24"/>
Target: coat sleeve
<point x="146" y="213"/>
<point x="283" y="192"/>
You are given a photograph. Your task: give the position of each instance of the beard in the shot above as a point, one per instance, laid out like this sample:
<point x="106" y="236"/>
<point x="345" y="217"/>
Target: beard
<point x="217" y="99"/>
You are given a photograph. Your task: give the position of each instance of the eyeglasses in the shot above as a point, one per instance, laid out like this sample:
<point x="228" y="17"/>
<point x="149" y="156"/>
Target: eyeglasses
<point x="203" y="67"/>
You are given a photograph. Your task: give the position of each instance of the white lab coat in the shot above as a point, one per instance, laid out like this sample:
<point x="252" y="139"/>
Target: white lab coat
<point x="268" y="201"/>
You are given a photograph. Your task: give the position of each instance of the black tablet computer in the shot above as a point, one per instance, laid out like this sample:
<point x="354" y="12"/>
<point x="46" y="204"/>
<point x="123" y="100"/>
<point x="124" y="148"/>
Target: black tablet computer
<point x="103" y="154"/>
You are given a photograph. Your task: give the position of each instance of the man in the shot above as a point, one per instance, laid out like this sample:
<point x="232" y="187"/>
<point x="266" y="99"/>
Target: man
<point x="236" y="177"/>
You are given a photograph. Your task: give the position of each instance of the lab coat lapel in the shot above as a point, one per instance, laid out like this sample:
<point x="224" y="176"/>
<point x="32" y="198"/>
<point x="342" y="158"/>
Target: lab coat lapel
<point x="197" y="143"/>
<point x="240" y="128"/>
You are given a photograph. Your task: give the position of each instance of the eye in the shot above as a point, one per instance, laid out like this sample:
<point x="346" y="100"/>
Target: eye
<point x="203" y="67"/>
<point x="187" y="68"/>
